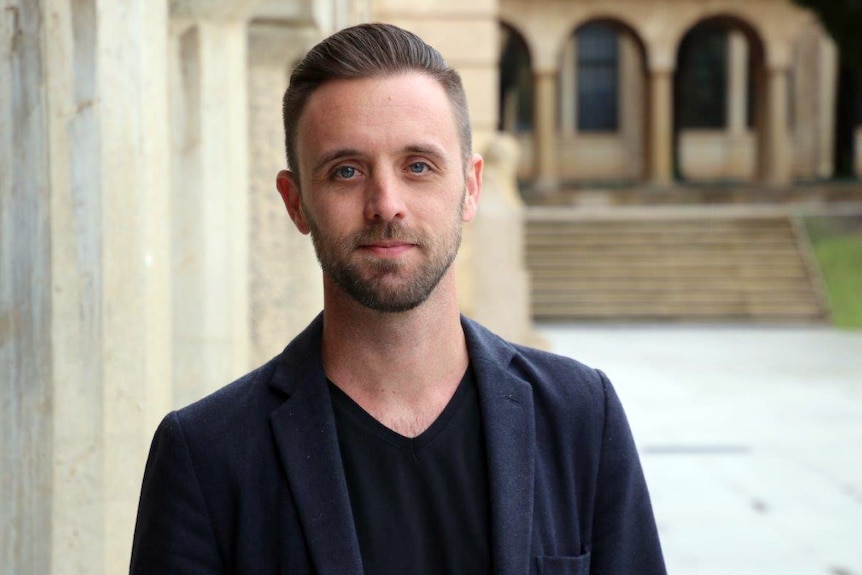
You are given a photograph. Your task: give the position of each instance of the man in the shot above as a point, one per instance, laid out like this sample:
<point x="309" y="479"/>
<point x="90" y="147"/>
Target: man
<point x="393" y="435"/>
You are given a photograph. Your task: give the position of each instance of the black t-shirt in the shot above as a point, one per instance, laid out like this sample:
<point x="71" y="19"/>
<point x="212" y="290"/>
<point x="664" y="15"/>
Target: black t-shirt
<point x="420" y="505"/>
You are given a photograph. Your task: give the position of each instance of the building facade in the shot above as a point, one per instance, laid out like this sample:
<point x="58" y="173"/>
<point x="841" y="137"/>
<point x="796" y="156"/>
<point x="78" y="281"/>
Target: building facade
<point x="653" y="92"/>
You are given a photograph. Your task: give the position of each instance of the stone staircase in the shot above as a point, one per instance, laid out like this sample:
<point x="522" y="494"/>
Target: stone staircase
<point x="669" y="264"/>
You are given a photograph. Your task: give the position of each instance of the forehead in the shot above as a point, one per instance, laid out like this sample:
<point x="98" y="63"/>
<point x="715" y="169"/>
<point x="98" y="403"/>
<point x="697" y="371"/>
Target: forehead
<point x="376" y="113"/>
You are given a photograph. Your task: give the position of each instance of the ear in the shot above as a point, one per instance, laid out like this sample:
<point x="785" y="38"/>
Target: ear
<point x="289" y="192"/>
<point x="473" y="185"/>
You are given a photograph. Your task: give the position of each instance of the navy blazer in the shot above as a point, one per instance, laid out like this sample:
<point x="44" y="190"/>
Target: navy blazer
<point x="249" y="480"/>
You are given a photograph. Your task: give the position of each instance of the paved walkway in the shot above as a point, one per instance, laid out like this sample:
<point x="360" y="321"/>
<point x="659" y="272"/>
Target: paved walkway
<point x="750" y="437"/>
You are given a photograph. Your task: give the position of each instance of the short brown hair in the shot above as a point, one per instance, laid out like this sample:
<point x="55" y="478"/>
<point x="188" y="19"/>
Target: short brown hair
<point x="368" y="51"/>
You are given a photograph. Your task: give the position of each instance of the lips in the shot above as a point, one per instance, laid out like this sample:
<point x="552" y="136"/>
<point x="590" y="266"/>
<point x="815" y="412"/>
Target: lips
<point x="387" y="248"/>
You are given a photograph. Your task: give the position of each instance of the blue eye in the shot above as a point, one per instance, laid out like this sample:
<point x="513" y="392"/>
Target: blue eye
<point x="418" y="167"/>
<point x="345" y="172"/>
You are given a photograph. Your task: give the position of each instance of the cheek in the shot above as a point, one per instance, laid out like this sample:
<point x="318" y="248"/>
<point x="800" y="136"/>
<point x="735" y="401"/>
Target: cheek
<point x="336" y="219"/>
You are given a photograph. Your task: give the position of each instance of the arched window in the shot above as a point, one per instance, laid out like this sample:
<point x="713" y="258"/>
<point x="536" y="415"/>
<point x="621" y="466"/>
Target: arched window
<point x="516" y="84"/>
<point x="702" y="78"/>
<point x="597" y="80"/>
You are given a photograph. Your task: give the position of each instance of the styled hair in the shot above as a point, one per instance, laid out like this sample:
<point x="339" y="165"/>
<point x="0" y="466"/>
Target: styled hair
<point x="369" y="51"/>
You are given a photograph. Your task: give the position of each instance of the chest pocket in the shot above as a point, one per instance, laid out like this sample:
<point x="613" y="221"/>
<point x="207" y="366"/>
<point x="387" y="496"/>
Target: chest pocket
<point x="548" y="565"/>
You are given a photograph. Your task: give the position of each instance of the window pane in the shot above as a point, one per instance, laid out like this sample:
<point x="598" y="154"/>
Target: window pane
<point x="858" y="80"/>
<point x="597" y="78"/>
<point x="516" y="81"/>
<point x="702" y="79"/>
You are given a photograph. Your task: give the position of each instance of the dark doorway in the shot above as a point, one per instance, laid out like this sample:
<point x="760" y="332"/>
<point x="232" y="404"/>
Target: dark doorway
<point x="701" y="81"/>
<point x="516" y="84"/>
<point x="848" y="118"/>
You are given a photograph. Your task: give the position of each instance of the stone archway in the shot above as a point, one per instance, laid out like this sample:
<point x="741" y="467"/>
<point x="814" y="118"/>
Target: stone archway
<point x="602" y="103"/>
<point x="516" y="95"/>
<point x="719" y="126"/>
<point x="848" y="122"/>
<point x="516" y="84"/>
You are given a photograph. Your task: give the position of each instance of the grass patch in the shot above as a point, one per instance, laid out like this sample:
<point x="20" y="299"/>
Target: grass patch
<point x="837" y="243"/>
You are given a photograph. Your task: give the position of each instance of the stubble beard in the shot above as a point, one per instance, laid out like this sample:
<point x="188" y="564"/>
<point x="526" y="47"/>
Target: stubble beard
<point x="383" y="285"/>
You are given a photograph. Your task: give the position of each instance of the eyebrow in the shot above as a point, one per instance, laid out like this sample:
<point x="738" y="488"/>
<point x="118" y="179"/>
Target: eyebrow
<point x="432" y="151"/>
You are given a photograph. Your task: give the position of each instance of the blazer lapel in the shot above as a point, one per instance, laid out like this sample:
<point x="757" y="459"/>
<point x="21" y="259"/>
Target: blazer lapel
<point x="510" y="437"/>
<point x="304" y="429"/>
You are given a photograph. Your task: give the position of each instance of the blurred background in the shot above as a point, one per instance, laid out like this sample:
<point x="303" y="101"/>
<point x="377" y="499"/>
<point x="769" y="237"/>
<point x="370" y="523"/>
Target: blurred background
<point x="671" y="194"/>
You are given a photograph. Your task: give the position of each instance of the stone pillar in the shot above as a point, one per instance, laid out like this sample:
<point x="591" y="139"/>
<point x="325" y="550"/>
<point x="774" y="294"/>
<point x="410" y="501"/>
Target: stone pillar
<point x="545" y="130"/>
<point x="509" y="111"/>
<point x="568" y="88"/>
<point x="776" y="153"/>
<point x="210" y="196"/>
<point x="737" y="83"/>
<point x="26" y="363"/>
<point x="661" y="127"/>
<point x="632" y="96"/>
<point x="738" y="150"/>
<point x="286" y="291"/>
<point x="85" y="262"/>
<point x="827" y="84"/>
<point x="135" y="255"/>
<point x="502" y="281"/>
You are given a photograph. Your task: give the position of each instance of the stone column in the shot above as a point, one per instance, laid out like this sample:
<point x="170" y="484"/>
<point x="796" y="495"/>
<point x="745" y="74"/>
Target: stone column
<point x="661" y="127"/>
<point x="498" y="233"/>
<point x="632" y="82"/>
<point x="545" y="130"/>
<point x="285" y="283"/>
<point x="826" y="86"/>
<point x="738" y="152"/>
<point x="568" y="88"/>
<point x="509" y="111"/>
<point x="210" y="195"/>
<point x="26" y="366"/>
<point x="776" y="153"/>
<point x="737" y="83"/>
<point x="85" y="261"/>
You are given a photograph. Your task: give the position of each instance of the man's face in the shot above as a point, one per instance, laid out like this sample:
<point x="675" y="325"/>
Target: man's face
<point x="384" y="189"/>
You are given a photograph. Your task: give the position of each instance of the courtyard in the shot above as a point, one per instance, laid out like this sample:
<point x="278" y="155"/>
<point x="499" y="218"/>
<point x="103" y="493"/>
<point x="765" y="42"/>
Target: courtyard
<point x="750" y="437"/>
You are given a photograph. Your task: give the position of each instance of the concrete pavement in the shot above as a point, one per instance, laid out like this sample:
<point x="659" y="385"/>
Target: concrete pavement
<point x="750" y="438"/>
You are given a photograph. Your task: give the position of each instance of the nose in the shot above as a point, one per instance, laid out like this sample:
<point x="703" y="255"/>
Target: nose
<point x="384" y="198"/>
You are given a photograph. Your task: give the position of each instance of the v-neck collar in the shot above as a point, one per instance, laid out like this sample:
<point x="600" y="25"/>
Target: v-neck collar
<point x="358" y="416"/>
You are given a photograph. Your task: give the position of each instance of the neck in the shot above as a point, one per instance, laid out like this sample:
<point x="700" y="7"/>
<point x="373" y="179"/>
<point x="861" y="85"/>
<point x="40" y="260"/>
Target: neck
<point x="398" y="366"/>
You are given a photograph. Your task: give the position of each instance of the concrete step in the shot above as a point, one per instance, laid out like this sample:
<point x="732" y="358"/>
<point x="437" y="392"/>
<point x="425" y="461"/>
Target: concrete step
<point x="725" y="268"/>
<point x="702" y="259"/>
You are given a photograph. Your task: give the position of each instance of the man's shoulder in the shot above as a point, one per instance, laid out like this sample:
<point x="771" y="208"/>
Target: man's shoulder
<point x="569" y="399"/>
<point x="261" y="390"/>
<point x="233" y="406"/>
<point x="562" y="382"/>
<point x="545" y="371"/>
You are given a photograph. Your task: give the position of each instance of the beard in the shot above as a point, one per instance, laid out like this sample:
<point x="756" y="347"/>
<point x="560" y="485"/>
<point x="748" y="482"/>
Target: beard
<point x="384" y="285"/>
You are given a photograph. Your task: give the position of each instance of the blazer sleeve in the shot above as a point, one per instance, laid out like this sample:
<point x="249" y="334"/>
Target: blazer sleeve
<point x="174" y="532"/>
<point x="625" y="538"/>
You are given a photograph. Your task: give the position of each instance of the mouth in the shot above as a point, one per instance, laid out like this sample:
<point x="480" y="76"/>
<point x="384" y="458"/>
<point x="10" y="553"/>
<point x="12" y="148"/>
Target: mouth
<point x="387" y="248"/>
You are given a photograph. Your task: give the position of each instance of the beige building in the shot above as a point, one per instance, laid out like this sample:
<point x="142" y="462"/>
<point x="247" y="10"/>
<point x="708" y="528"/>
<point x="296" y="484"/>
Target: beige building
<point x="145" y="259"/>
<point x="634" y="91"/>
